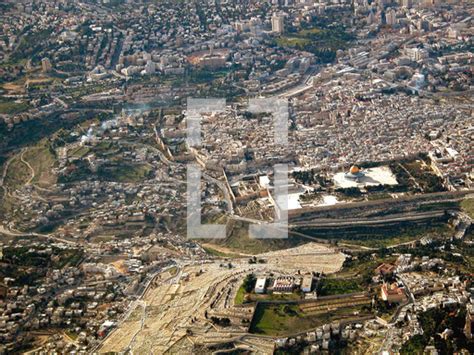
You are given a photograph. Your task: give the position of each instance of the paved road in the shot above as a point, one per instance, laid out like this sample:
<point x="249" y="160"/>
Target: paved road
<point x="325" y="223"/>
<point x="13" y="233"/>
<point x="301" y="87"/>
<point x="387" y="343"/>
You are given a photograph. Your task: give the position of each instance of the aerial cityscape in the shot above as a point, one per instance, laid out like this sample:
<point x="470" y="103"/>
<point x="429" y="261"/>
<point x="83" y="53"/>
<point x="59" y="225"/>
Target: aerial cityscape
<point x="236" y="177"/>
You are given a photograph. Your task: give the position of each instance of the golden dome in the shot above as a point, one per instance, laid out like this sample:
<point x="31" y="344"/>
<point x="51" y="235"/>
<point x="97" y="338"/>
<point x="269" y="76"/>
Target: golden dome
<point x="354" y="170"/>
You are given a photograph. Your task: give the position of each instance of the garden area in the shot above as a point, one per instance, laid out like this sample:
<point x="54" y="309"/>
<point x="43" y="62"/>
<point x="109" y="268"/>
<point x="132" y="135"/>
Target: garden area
<point x="285" y="319"/>
<point x="321" y="41"/>
<point x="339" y="286"/>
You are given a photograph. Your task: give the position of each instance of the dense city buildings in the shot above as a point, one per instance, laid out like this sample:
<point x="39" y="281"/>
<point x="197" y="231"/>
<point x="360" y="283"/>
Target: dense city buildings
<point x="368" y="107"/>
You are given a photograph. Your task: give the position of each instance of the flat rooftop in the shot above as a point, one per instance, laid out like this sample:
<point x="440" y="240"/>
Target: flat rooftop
<point x="381" y="175"/>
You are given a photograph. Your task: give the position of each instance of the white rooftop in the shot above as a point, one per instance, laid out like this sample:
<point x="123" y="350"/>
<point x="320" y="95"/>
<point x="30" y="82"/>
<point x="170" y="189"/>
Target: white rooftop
<point x="371" y="177"/>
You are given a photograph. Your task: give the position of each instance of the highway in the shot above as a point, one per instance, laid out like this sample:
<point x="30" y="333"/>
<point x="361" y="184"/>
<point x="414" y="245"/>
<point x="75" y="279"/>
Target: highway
<point x="347" y="222"/>
<point x="301" y="87"/>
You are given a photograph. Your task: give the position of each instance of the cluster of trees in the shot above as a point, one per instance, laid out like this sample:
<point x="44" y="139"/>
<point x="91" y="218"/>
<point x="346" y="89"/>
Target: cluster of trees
<point x="31" y="44"/>
<point x="383" y="307"/>
<point x="77" y="171"/>
<point x="22" y="275"/>
<point x="329" y="287"/>
<point x="223" y="322"/>
<point x="320" y="37"/>
<point x="30" y="132"/>
<point x="26" y="265"/>
<point x="254" y="115"/>
<point x="387" y="188"/>
<point x="350" y="191"/>
<point x="434" y="322"/>
<point x="426" y="179"/>
<point x="249" y="283"/>
<point x="254" y="260"/>
<point x="310" y="177"/>
<point x="25" y="256"/>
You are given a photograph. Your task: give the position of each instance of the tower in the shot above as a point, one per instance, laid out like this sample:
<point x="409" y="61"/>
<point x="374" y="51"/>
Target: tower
<point x="277" y="23"/>
<point x="46" y="65"/>
<point x="391" y="17"/>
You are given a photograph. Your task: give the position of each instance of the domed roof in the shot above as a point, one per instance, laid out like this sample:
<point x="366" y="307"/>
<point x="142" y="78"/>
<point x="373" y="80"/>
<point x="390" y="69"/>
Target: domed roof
<point x="354" y="170"/>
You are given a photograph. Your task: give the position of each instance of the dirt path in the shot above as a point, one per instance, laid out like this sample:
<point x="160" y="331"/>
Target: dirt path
<point x="22" y="159"/>
<point x="225" y="250"/>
